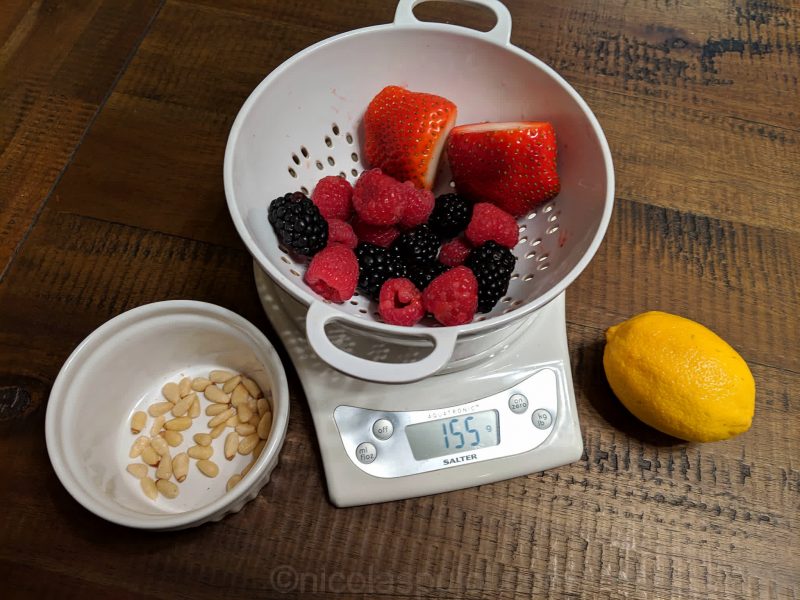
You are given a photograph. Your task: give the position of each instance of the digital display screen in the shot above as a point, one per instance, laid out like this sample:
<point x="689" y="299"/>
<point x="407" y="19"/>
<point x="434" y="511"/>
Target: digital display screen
<point x="453" y="435"/>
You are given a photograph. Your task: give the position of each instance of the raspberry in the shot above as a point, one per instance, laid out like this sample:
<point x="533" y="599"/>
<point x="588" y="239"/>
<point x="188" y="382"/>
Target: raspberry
<point x="419" y="204"/>
<point x="333" y="196"/>
<point x="452" y="297"/>
<point x="376" y="265"/>
<point x="450" y="216"/>
<point x="380" y="235"/>
<point x="454" y="252"/>
<point x="492" y="265"/>
<point x="422" y="274"/>
<point x="333" y="273"/>
<point x="419" y="245"/>
<point x="400" y="303"/>
<point x="378" y="199"/>
<point x="491" y="223"/>
<point x="340" y="232"/>
<point x="298" y="223"/>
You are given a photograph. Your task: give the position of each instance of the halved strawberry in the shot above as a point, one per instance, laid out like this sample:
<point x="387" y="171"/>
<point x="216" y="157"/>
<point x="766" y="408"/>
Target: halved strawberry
<point x="405" y="133"/>
<point x="512" y="165"/>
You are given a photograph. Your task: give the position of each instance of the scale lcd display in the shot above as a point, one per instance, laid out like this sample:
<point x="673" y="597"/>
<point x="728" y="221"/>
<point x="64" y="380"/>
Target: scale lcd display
<point x="453" y="435"/>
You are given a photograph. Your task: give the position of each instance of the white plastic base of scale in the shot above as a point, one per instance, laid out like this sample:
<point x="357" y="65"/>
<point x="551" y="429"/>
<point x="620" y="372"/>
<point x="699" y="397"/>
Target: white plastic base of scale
<point x="511" y="415"/>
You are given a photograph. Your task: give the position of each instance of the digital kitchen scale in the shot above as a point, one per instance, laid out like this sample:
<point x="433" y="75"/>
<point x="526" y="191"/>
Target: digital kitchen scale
<point x="511" y="414"/>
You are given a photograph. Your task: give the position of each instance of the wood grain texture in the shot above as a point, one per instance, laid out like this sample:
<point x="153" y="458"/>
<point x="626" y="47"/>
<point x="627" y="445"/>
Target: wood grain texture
<point x="58" y="62"/>
<point x="699" y="104"/>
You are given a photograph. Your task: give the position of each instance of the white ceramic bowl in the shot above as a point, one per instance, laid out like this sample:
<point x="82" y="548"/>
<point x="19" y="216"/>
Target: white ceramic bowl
<point x="119" y="369"/>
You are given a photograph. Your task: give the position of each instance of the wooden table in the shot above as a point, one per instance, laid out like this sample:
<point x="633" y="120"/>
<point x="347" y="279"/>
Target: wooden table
<point x="113" y="121"/>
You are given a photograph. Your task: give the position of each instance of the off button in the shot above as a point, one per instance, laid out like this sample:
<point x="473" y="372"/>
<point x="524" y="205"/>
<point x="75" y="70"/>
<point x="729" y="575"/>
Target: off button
<point x="366" y="453"/>
<point x="383" y="429"/>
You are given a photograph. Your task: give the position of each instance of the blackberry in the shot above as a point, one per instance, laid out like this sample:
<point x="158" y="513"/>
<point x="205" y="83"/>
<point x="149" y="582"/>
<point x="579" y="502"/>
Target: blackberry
<point x="451" y="215"/>
<point x="422" y="274"/>
<point x="492" y="265"/>
<point x="298" y="223"/>
<point x="376" y="265"/>
<point x="420" y="245"/>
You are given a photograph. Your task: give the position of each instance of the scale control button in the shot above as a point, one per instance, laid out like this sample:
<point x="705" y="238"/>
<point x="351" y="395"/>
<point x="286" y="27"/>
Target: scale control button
<point x="541" y="418"/>
<point x="383" y="429"/>
<point x="518" y="404"/>
<point x="366" y="453"/>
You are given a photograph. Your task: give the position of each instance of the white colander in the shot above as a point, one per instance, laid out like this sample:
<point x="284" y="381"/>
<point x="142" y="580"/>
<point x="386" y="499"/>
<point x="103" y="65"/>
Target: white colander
<point x="303" y="122"/>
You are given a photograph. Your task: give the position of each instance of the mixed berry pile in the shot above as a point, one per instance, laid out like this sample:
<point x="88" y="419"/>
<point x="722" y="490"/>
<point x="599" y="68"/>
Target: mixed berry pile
<point x="390" y="238"/>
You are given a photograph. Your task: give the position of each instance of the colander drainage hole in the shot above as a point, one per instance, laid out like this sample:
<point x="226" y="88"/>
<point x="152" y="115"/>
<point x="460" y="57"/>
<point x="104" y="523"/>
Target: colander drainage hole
<point x="353" y="302"/>
<point x="543" y="257"/>
<point x="552" y="230"/>
<point x="342" y="174"/>
<point x="354" y="156"/>
<point x="514" y="276"/>
<point x="354" y="172"/>
<point x="543" y="266"/>
<point x="328" y="141"/>
<point x="522" y="240"/>
<point x="548" y="208"/>
<point x="292" y="172"/>
<point x="293" y="272"/>
<point x="532" y="216"/>
<point x="304" y="189"/>
<point x="530" y="255"/>
<point x="296" y="159"/>
<point x="335" y="129"/>
<point x="304" y="151"/>
<point x="319" y="165"/>
<point x="363" y="311"/>
<point x="522" y="227"/>
<point x="331" y="162"/>
<point x="552" y="218"/>
<point x="528" y="277"/>
<point x="536" y="242"/>
<point x="349" y="138"/>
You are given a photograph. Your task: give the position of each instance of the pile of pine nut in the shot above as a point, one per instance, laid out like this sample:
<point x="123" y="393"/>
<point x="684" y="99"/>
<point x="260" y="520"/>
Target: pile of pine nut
<point x="235" y="402"/>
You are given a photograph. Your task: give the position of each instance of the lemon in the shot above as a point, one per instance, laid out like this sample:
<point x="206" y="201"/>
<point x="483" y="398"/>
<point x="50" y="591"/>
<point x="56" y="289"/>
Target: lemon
<point x="679" y="377"/>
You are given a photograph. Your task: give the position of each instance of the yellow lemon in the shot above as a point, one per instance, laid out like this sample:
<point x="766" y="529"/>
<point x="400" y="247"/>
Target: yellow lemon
<point x="679" y="377"/>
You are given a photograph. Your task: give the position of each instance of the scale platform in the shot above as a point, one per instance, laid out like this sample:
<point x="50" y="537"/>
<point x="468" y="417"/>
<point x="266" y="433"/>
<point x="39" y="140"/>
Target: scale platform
<point x="512" y="414"/>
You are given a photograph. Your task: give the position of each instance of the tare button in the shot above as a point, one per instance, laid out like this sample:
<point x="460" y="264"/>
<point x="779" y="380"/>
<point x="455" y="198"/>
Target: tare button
<point x="518" y="404"/>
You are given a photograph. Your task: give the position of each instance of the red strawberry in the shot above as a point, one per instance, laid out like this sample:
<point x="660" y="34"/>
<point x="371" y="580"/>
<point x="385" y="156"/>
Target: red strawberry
<point x="512" y="165"/>
<point x="405" y="133"/>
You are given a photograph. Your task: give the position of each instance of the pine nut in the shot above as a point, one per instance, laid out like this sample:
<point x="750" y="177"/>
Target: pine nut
<point x="167" y="488"/>
<point x="259" y="448"/>
<point x="150" y="456"/>
<point x="231" y="384"/>
<point x="222" y="417"/>
<point x="232" y="421"/>
<point x="264" y="426"/>
<point x="159" y="444"/>
<point x="158" y="424"/>
<point x="231" y="444"/>
<point x="178" y="424"/>
<point x="208" y="468"/>
<point x="238" y="395"/>
<point x="159" y="408"/>
<point x="182" y="407"/>
<point x="249" y="466"/>
<point x="200" y="452"/>
<point x="214" y="394"/>
<point x="248" y="444"/>
<point x="252" y="387"/>
<point x="185" y="387"/>
<point x="217" y="431"/>
<point x="245" y="429"/>
<point x="171" y="392"/>
<point x="232" y="482"/>
<point x="202" y="439"/>
<point x="164" y="470"/>
<point x="173" y="438"/>
<point x="138" y="421"/>
<point x="212" y="410"/>
<point x="138" y="470"/>
<point x="139" y="444"/>
<point x="180" y="466"/>
<point x="149" y="487"/>
<point x="194" y="409"/>
<point x="244" y="413"/>
<point x="199" y="384"/>
<point x="262" y="406"/>
<point x="220" y="376"/>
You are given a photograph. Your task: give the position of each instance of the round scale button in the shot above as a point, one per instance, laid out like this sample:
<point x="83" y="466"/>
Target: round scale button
<point x="541" y="418"/>
<point x="366" y="453"/>
<point x="518" y="404"/>
<point x="383" y="429"/>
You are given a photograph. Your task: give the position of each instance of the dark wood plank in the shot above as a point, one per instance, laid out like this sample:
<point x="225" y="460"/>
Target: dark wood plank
<point x="57" y="64"/>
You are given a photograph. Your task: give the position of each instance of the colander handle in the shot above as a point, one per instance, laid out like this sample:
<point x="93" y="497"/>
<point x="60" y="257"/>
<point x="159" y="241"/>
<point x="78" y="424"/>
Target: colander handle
<point x="320" y="314"/>
<point x="500" y="33"/>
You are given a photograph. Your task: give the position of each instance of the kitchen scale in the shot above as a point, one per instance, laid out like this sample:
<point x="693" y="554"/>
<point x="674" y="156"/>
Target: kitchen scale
<point x="509" y="414"/>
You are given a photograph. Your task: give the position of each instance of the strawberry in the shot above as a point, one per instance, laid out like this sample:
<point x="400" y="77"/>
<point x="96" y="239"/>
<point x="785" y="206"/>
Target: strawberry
<point x="405" y="133"/>
<point x="512" y="165"/>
